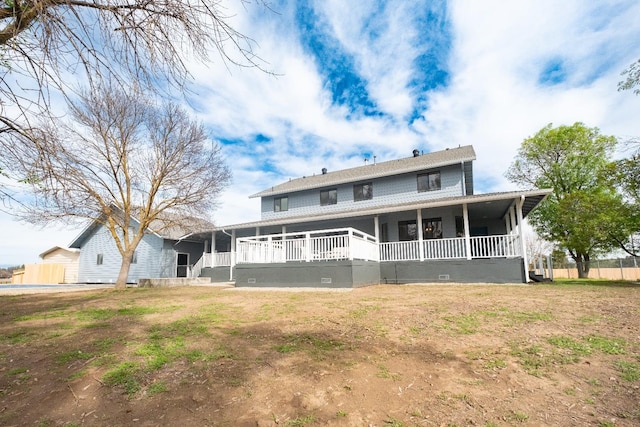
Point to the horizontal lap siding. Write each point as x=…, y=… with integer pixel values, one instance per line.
x=101, y=242
x=386, y=191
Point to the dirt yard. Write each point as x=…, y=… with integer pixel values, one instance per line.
x=454, y=355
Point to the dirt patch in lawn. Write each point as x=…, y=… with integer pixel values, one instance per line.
x=375, y=356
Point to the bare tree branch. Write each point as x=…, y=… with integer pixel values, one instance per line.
x=123, y=157
x=50, y=47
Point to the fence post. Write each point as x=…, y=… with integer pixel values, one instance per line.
x=621, y=269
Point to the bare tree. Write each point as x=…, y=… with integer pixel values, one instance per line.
x=537, y=247
x=47, y=47
x=124, y=156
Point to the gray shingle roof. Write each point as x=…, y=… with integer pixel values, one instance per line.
x=393, y=167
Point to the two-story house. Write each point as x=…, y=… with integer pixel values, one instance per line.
x=414, y=219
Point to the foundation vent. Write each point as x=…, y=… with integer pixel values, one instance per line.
x=251, y=280
x=443, y=277
x=325, y=280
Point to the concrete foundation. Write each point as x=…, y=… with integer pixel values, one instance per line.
x=330, y=274
x=216, y=274
x=492, y=270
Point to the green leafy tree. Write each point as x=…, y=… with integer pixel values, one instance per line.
x=632, y=78
x=625, y=174
x=581, y=211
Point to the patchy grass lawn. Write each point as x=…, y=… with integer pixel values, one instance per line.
x=566, y=354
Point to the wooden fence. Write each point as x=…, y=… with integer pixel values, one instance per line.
x=609, y=273
x=35, y=274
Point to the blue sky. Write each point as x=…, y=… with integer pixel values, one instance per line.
x=358, y=79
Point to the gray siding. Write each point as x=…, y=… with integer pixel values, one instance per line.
x=101, y=242
x=386, y=191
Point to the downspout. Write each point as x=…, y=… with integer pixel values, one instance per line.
x=463, y=180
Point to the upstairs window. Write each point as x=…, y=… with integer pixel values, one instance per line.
x=281, y=204
x=328, y=197
x=99, y=259
x=429, y=182
x=363, y=192
x=134, y=257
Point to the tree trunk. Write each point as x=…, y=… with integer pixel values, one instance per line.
x=121, y=283
x=582, y=264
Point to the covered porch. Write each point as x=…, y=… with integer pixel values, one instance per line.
x=469, y=228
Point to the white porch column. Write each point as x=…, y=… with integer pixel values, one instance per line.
x=512, y=212
x=284, y=229
x=420, y=234
x=307, y=244
x=523, y=244
x=467, y=238
x=213, y=248
x=233, y=254
x=350, y=244
x=257, y=231
x=376, y=228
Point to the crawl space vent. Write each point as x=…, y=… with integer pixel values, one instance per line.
x=443, y=277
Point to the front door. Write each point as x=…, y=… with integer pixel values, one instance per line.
x=182, y=265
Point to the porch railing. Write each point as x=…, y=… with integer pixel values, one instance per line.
x=216, y=259
x=320, y=245
x=341, y=244
x=501, y=246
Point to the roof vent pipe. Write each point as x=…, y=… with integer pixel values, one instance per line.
x=416, y=153
x=324, y=171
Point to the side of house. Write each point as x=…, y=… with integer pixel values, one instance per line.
x=419, y=212
x=157, y=256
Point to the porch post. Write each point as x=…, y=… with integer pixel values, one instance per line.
x=205, y=248
x=213, y=249
x=507, y=221
x=307, y=243
x=467, y=239
x=376, y=228
x=257, y=231
x=284, y=229
x=420, y=234
x=523, y=245
x=232, y=255
x=512, y=212
x=350, y=244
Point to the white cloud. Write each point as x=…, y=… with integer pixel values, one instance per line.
x=493, y=100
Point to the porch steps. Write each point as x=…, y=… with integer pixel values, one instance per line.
x=538, y=278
